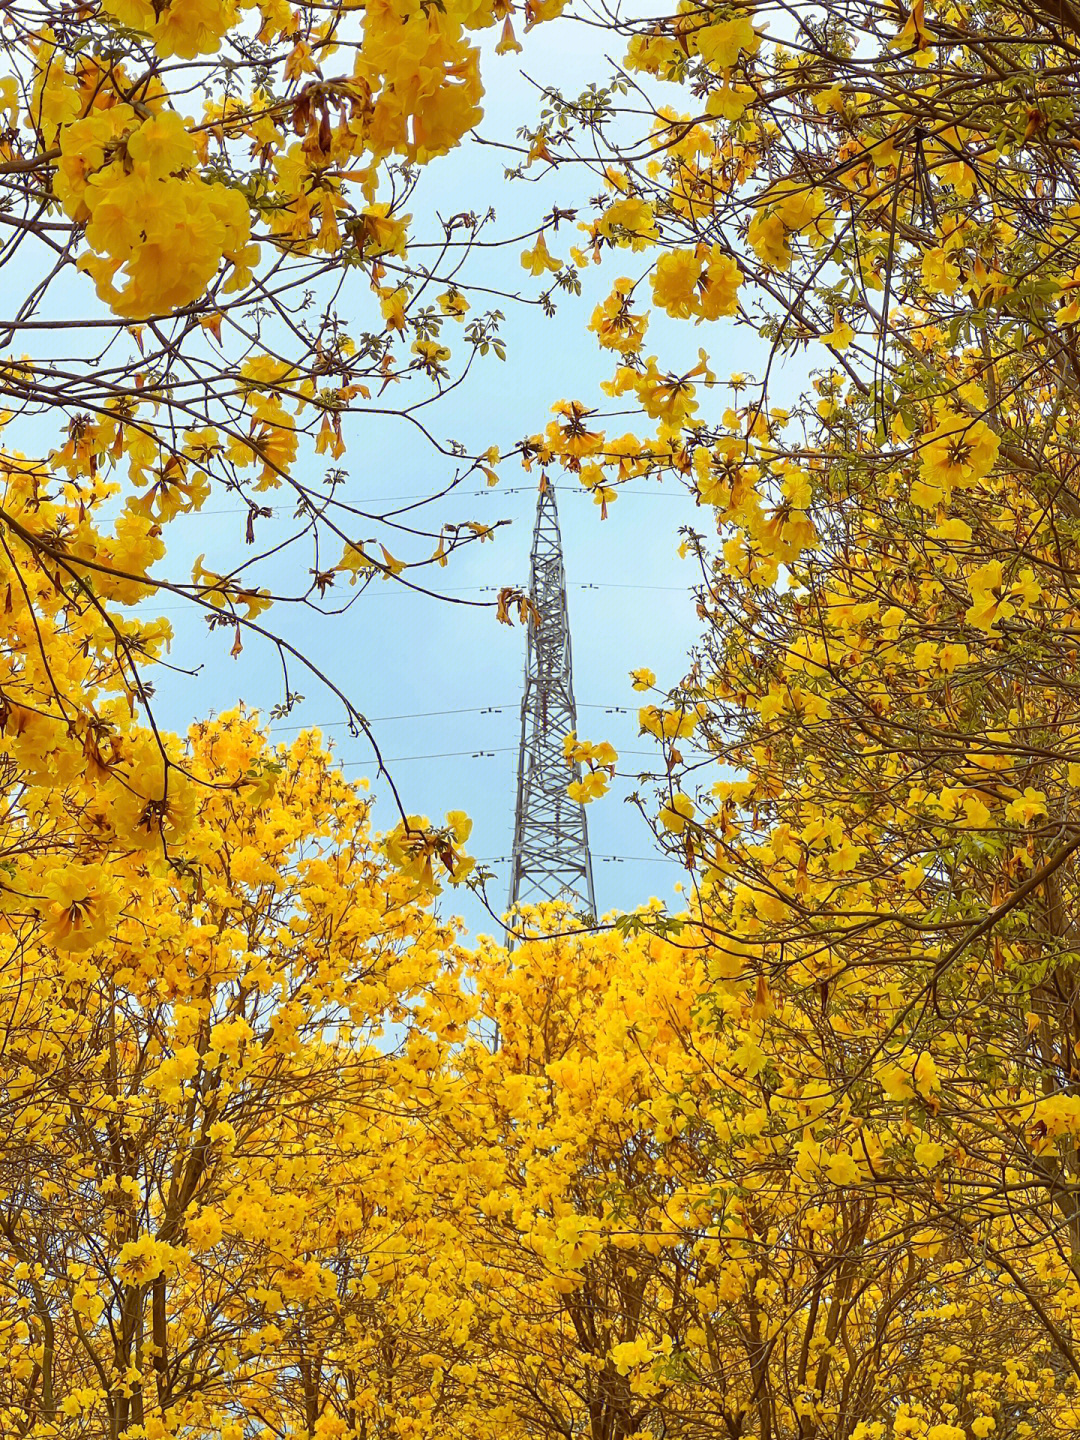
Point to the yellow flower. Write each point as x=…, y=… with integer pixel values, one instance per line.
x=589, y=787
x=82, y=152
x=678, y=810
x=629, y=221
x=186, y=28
x=830, y=99
x=976, y=812
x=721, y=44
x=675, y=282
x=149, y=808
x=162, y=146
x=142, y=1260
x=629, y=1354
x=929, y=1154
x=958, y=453
x=539, y=258
x=719, y=285
x=785, y=209
x=1027, y=807
x=614, y=324
x=453, y=303
x=169, y=234
x=769, y=238
x=840, y=336
x=354, y=562
x=81, y=906
x=204, y=1230
x=925, y=1075
x=916, y=36
x=9, y=99
x=669, y=724
x=508, y=41
x=380, y=233
x=989, y=599
x=896, y=1082
x=842, y=1169
x=939, y=275
x=431, y=356
x=729, y=102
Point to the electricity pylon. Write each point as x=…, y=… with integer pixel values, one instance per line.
x=550, y=860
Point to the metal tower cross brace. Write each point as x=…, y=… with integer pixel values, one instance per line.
x=551, y=842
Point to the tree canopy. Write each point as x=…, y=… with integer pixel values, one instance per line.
x=280, y=1155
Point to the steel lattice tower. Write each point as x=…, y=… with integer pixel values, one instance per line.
x=550, y=860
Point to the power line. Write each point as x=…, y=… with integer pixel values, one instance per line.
x=450, y=495
x=616, y=585
x=622, y=859
x=395, y=593
x=440, y=755
x=613, y=859
x=432, y=714
x=478, y=755
x=382, y=719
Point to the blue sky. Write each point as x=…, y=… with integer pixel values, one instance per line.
x=441, y=683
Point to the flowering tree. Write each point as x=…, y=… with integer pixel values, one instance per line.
x=800, y=1163
x=213, y=276
x=202, y=1146
x=869, y=768
x=682, y=1218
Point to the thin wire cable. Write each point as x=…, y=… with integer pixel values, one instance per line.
x=483, y=754
x=619, y=859
x=432, y=714
x=395, y=594
x=439, y=755
x=457, y=495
